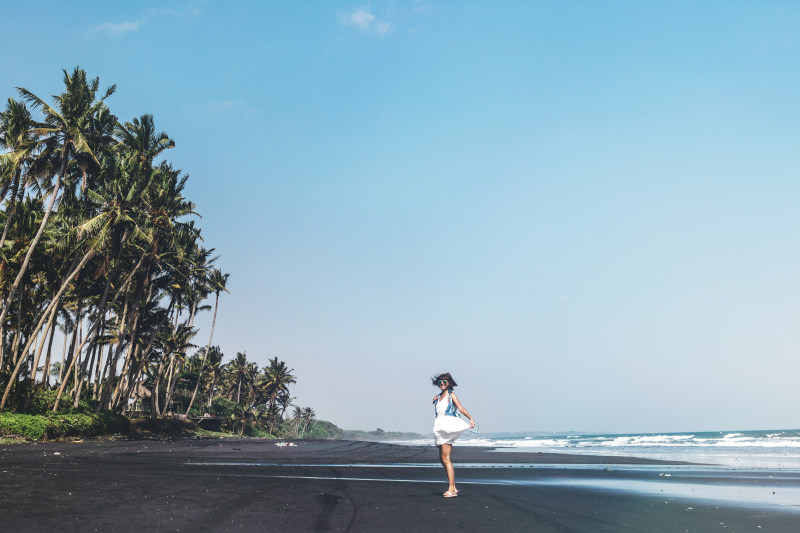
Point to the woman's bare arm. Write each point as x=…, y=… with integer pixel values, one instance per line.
x=462, y=409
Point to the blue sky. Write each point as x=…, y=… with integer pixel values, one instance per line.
x=588, y=212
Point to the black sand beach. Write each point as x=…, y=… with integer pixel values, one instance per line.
x=254, y=485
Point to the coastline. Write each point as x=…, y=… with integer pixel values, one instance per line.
x=242, y=484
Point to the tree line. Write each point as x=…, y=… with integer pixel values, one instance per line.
x=248, y=399
x=100, y=249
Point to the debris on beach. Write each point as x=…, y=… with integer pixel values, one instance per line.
x=285, y=444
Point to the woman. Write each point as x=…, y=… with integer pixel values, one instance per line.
x=448, y=426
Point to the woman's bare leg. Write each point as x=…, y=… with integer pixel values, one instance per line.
x=444, y=458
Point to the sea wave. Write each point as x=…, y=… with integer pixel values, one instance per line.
x=774, y=449
x=703, y=440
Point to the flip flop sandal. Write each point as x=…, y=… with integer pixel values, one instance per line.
x=449, y=494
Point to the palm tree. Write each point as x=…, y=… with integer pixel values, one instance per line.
x=214, y=366
x=238, y=369
x=308, y=417
x=65, y=132
x=297, y=418
x=161, y=205
x=218, y=282
x=119, y=217
x=244, y=416
x=284, y=401
x=37, y=328
x=276, y=380
x=17, y=138
x=93, y=241
x=174, y=346
x=141, y=138
x=250, y=383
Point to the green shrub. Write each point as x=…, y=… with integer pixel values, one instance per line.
x=223, y=407
x=25, y=426
x=42, y=401
x=58, y=425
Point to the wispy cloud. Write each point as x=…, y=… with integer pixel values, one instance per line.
x=146, y=17
x=118, y=28
x=363, y=19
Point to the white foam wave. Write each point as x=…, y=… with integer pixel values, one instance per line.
x=732, y=440
x=777, y=449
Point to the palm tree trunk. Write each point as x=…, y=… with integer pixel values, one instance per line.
x=46, y=372
x=93, y=334
x=131, y=368
x=99, y=368
x=71, y=354
x=47, y=329
x=125, y=375
x=163, y=367
x=51, y=320
x=112, y=369
x=15, y=346
x=79, y=324
x=127, y=378
x=143, y=353
x=85, y=375
x=211, y=392
x=205, y=355
x=170, y=383
x=108, y=384
x=63, y=357
x=192, y=313
x=155, y=408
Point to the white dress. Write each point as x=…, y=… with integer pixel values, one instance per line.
x=447, y=428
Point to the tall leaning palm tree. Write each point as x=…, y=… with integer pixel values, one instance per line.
x=218, y=282
x=64, y=133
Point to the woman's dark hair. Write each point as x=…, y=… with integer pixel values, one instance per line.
x=450, y=381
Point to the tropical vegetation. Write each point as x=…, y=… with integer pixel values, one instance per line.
x=103, y=271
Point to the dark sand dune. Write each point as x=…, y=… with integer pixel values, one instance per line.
x=251, y=485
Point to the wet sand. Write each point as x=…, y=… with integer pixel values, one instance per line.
x=254, y=485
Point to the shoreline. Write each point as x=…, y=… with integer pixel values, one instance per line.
x=242, y=484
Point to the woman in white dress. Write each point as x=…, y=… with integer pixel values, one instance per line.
x=448, y=426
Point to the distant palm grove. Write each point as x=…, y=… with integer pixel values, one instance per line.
x=103, y=272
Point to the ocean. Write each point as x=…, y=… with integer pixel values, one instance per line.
x=771, y=449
